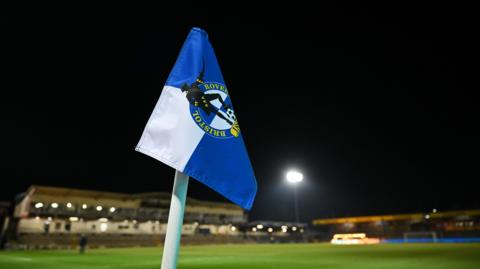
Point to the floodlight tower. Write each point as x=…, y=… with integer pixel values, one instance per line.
x=294, y=178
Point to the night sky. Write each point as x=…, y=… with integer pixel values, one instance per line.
x=374, y=104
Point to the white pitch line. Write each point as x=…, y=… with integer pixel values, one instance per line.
x=23, y=259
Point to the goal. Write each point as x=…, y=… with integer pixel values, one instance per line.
x=420, y=237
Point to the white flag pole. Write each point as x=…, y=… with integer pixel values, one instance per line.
x=175, y=221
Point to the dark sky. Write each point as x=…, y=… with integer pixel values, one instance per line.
x=374, y=104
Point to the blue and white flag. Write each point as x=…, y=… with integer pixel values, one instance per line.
x=193, y=127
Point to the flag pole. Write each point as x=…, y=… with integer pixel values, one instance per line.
x=175, y=221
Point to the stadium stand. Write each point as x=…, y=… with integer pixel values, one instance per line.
x=276, y=232
x=52, y=217
x=55, y=218
x=436, y=226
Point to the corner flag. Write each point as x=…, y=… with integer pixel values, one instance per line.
x=193, y=127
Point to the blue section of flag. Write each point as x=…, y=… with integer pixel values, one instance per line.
x=195, y=51
x=221, y=164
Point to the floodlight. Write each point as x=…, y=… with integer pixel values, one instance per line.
x=294, y=177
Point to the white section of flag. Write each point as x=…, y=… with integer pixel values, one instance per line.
x=171, y=135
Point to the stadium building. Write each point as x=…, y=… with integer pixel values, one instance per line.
x=436, y=226
x=276, y=232
x=47, y=217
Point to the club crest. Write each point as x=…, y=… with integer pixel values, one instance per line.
x=211, y=108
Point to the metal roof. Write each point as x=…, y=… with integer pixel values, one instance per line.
x=414, y=216
x=67, y=193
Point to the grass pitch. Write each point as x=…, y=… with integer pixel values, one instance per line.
x=265, y=256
